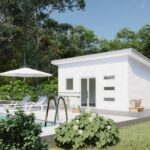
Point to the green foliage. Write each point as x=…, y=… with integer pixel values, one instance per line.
x=17, y=89
x=79, y=41
x=134, y=137
x=127, y=38
x=27, y=27
x=125, y=35
x=87, y=129
x=48, y=88
x=144, y=40
x=19, y=132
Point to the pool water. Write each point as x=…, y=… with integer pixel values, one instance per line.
x=41, y=122
x=2, y=116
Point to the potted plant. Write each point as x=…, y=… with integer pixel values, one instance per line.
x=135, y=102
x=76, y=109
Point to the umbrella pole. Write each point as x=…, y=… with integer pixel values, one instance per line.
x=24, y=80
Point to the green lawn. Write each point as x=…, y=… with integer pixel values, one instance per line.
x=135, y=137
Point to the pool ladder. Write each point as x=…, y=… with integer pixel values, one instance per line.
x=56, y=101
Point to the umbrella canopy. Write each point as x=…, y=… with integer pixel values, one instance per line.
x=25, y=72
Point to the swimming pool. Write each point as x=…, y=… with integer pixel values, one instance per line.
x=41, y=122
x=2, y=116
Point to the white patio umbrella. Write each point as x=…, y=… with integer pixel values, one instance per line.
x=25, y=73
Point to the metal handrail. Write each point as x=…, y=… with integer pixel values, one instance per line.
x=47, y=110
x=65, y=106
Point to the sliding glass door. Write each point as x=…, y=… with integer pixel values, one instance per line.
x=88, y=92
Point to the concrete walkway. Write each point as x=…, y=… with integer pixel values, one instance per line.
x=128, y=118
x=120, y=117
x=145, y=113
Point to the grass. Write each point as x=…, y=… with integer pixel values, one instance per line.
x=134, y=137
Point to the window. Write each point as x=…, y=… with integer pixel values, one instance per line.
x=69, y=84
x=109, y=88
x=109, y=77
x=109, y=99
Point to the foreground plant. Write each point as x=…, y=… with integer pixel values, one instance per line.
x=20, y=132
x=87, y=129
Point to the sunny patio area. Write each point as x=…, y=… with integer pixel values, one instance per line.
x=121, y=118
x=128, y=135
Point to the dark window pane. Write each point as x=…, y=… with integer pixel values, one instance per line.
x=92, y=91
x=84, y=92
x=109, y=77
x=109, y=99
x=109, y=88
x=69, y=84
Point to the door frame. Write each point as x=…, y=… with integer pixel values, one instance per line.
x=88, y=88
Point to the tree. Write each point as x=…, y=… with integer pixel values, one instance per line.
x=144, y=40
x=125, y=35
x=127, y=38
x=26, y=19
x=80, y=41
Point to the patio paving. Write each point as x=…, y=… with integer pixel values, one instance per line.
x=145, y=113
x=125, y=118
x=120, y=117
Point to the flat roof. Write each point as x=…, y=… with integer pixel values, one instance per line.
x=105, y=55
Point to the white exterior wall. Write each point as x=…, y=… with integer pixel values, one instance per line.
x=139, y=82
x=99, y=69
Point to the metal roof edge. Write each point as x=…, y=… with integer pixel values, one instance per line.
x=111, y=54
x=89, y=57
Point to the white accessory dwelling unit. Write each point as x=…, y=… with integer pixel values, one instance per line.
x=106, y=80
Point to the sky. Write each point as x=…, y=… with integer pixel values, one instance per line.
x=107, y=17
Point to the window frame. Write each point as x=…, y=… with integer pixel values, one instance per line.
x=109, y=99
x=109, y=77
x=109, y=88
x=67, y=80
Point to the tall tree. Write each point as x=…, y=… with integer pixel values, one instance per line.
x=144, y=40
x=125, y=35
x=26, y=19
x=127, y=38
x=80, y=41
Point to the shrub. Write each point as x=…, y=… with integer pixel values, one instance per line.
x=48, y=88
x=87, y=129
x=17, y=89
x=20, y=132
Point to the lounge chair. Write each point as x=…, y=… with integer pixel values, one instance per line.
x=40, y=104
x=20, y=103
